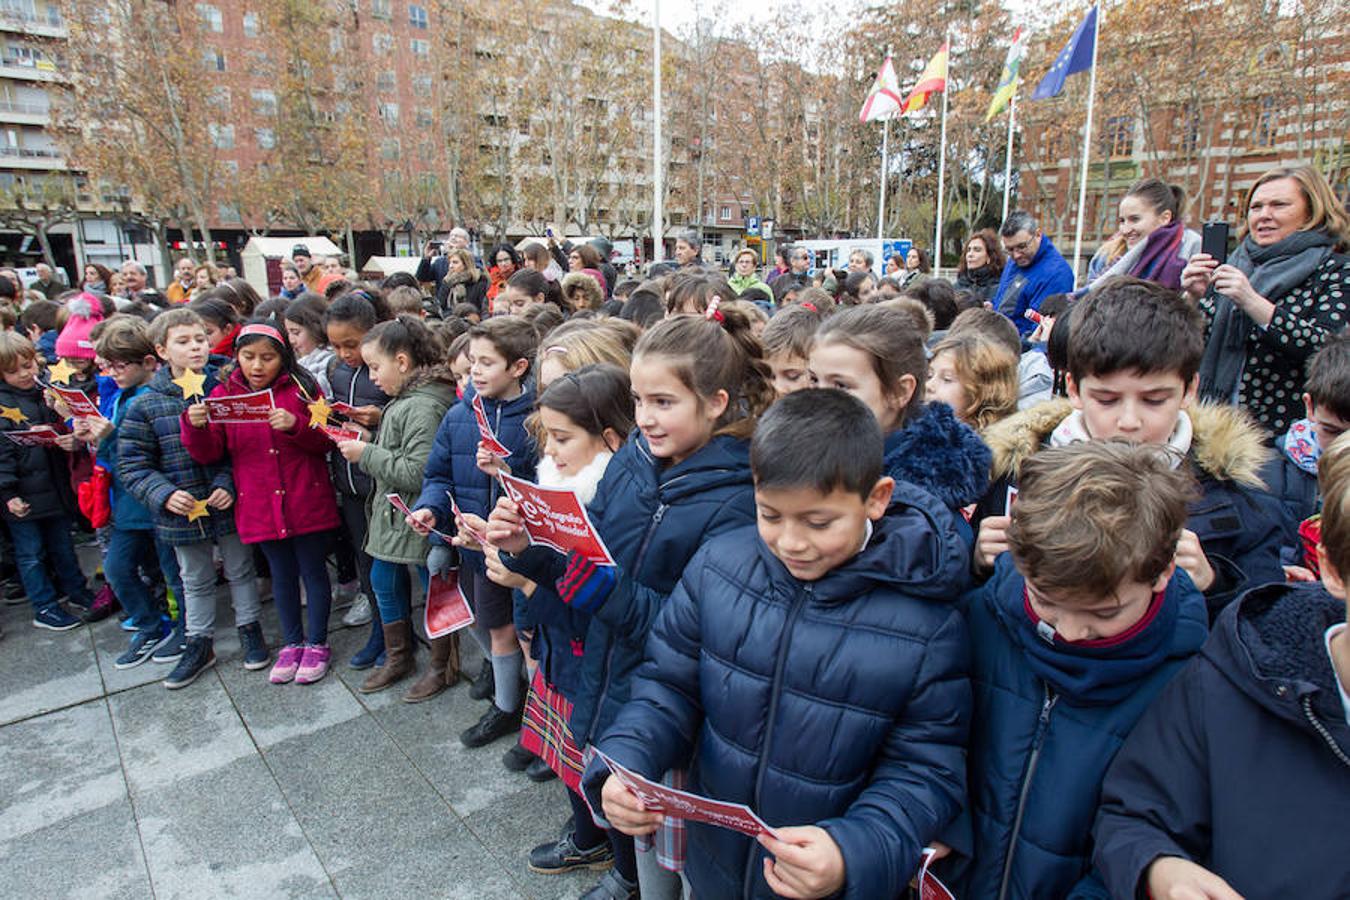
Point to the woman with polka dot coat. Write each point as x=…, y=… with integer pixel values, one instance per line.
x=1283, y=291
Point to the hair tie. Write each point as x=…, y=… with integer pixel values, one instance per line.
x=714, y=314
x=556, y=348
x=811, y=306
x=260, y=329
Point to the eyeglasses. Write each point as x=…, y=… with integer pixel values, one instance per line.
x=120, y=366
x=1019, y=248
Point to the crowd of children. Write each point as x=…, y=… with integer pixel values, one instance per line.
x=867, y=578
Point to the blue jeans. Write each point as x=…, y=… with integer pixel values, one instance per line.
x=292, y=560
x=393, y=589
x=36, y=541
x=130, y=552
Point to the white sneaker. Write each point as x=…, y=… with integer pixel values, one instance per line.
x=346, y=591
x=359, y=614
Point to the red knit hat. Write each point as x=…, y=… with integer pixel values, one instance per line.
x=86, y=311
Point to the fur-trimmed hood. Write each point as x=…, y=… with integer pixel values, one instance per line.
x=1228, y=444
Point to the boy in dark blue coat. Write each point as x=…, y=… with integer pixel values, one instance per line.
x=1292, y=474
x=501, y=351
x=1080, y=627
x=1236, y=781
x=813, y=670
x=1134, y=355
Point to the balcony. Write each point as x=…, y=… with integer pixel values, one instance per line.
x=15, y=112
x=50, y=25
x=42, y=159
x=29, y=69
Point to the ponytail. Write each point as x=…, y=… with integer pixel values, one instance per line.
x=708, y=356
x=406, y=334
x=1161, y=196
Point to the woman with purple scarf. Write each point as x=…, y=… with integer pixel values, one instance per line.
x=1157, y=242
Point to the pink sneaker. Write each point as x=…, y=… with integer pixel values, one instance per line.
x=288, y=661
x=314, y=664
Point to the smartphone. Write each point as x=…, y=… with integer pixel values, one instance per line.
x=1214, y=241
x=435, y=246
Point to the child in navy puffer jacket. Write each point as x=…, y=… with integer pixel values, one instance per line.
x=814, y=670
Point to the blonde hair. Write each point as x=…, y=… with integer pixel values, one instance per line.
x=988, y=375
x=14, y=350
x=585, y=342
x=1333, y=480
x=466, y=258
x=1325, y=212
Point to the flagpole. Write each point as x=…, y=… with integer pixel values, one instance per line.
x=1087, y=144
x=942, y=166
x=658, y=175
x=1007, y=159
x=885, y=150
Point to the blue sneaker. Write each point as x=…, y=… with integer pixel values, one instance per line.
x=172, y=649
x=251, y=641
x=54, y=618
x=127, y=626
x=142, y=645
x=198, y=656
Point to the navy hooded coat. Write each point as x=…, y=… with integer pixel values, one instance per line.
x=842, y=702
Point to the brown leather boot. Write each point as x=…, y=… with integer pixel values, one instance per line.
x=397, y=658
x=442, y=673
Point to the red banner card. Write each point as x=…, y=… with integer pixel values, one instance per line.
x=341, y=407
x=337, y=434
x=402, y=507
x=37, y=436
x=240, y=409
x=78, y=402
x=447, y=610
x=490, y=441
x=930, y=886
x=691, y=807
x=556, y=517
x=459, y=520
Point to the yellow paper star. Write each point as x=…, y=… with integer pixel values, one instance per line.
x=199, y=509
x=14, y=414
x=319, y=411
x=192, y=383
x=61, y=372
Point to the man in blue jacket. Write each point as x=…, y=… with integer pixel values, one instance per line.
x=1034, y=271
x=1236, y=781
x=814, y=670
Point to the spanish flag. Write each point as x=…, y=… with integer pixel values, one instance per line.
x=932, y=81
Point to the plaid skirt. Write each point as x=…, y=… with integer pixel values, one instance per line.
x=544, y=732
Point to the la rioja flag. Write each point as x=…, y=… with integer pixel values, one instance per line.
x=883, y=100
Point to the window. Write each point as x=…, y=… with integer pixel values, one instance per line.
x=211, y=18
x=417, y=16
x=251, y=28
x=221, y=135
x=725, y=213
x=219, y=99
x=1118, y=136
x=264, y=102
x=381, y=9
x=386, y=82
x=382, y=43
x=214, y=59
x=421, y=85
x=523, y=126
x=419, y=48
x=389, y=148
x=425, y=152
x=424, y=118
x=266, y=138
x=1266, y=126
x=1190, y=129
x=389, y=113
x=336, y=42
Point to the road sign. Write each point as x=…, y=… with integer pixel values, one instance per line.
x=752, y=225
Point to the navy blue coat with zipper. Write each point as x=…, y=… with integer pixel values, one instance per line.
x=38, y=475
x=1037, y=758
x=653, y=518
x=1242, y=765
x=453, y=463
x=842, y=703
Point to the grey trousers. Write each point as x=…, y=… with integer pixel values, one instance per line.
x=198, y=567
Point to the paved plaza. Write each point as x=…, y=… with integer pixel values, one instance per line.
x=112, y=786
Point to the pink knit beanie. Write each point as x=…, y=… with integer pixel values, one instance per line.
x=86, y=311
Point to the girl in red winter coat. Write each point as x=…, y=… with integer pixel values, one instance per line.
x=285, y=500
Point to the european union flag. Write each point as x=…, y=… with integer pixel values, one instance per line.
x=1075, y=57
